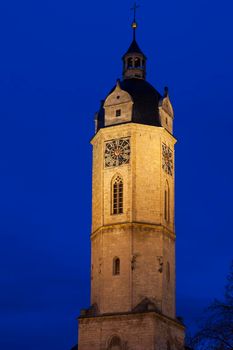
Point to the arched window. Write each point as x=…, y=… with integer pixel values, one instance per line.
x=130, y=62
x=137, y=62
x=117, y=195
x=167, y=203
x=116, y=266
x=115, y=343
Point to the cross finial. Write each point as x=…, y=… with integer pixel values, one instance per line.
x=134, y=24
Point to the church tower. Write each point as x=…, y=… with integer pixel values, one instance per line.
x=133, y=231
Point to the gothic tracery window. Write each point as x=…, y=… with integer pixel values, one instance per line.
x=117, y=195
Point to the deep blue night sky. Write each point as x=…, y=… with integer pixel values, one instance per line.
x=58, y=59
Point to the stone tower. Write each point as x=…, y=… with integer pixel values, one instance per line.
x=133, y=231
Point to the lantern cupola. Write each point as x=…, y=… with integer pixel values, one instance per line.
x=134, y=60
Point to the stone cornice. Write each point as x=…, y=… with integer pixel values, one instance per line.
x=135, y=226
x=122, y=315
x=134, y=127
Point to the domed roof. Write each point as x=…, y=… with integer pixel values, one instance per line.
x=145, y=102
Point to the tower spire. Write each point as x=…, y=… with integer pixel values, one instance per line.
x=134, y=60
x=134, y=24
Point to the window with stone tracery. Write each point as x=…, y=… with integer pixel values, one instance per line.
x=117, y=195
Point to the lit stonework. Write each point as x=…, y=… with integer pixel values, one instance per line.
x=133, y=231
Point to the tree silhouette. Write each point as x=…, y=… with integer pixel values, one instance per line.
x=216, y=327
x=75, y=347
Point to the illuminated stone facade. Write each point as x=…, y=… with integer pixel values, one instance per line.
x=133, y=231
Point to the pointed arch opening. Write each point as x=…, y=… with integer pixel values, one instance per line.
x=167, y=202
x=117, y=195
x=116, y=266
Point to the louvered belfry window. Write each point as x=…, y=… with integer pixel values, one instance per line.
x=117, y=199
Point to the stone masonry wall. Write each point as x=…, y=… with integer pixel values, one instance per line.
x=146, y=331
x=145, y=247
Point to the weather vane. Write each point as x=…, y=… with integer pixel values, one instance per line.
x=134, y=24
